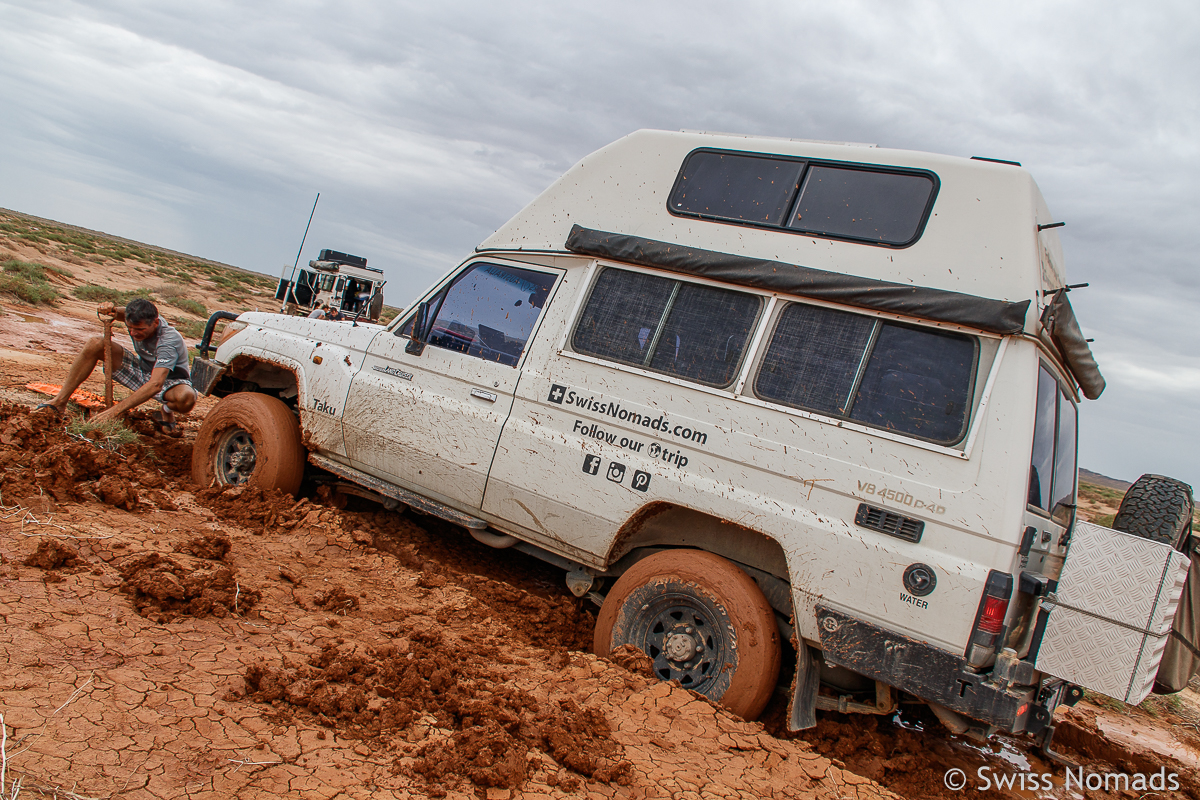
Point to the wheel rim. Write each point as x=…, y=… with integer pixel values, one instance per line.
x=235, y=457
x=687, y=635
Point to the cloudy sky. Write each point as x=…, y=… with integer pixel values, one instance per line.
x=210, y=127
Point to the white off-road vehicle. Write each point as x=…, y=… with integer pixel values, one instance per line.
x=768, y=402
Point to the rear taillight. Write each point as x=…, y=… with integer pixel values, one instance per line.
x=989, y=620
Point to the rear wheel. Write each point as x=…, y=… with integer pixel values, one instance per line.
x=249, y=439
x=703, y=622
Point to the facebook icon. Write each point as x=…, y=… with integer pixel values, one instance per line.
x=556, y=393
x=591, y=464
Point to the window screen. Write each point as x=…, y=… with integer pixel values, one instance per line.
x=911, y=380
x=881, y=205
x=695, y=332
x=813, y=358
x=488, y=311
x=737, y=187
x=884, y=207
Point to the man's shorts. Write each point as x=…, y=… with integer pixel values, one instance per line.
x=132, y=376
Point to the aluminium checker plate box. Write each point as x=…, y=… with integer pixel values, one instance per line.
x=1112, y=612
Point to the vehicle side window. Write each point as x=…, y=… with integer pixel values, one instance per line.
x=1063, y=491
x=695, y=332
x=902, y=378
x=1041, y=468
x=814, y=358
x=917, y=381
x=862, y=204
x=488, y=311
x=1052, y=468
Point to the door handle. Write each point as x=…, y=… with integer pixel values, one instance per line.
x=482, y=395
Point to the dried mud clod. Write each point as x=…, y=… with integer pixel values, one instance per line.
x=165, y=587
x=255, y=508
x=117, y=491
x=470, y=721
x=53, y=554
x=634, y=660
x=38, y=458
x=212, y=546
x=336, y=599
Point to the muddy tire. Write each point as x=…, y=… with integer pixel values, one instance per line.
x=1156, y=508
x=250, y=439
x=702, y=621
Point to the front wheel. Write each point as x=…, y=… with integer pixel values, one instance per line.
x=703, y=622
x=249, y=439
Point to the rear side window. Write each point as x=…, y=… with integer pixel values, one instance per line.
x=864, y=203
x=691, y=331
x=915, y=381
x=1053, y=461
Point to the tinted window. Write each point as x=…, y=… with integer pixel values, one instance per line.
x=736, y=187
x=910, y=380
x=876, y=205
x=917, y=381
x=862, y=204
x=813, y=359
x=489, y=311
x=1041, y=469
x=692, y=331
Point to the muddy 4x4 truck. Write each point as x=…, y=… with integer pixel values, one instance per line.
x=788, y=411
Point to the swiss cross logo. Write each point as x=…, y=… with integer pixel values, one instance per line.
x=557, y=393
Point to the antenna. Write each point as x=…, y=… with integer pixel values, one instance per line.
x=292, y=278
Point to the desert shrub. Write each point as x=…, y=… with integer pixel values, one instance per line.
x=102, y=294
x=26, y=282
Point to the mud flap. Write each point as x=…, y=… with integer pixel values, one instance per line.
x=803, y=713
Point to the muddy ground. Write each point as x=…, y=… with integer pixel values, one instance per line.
x=164, y=640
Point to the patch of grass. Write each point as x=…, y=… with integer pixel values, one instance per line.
x=1158, y=705
x=1104, y=701
x=191, y=307
x=190, y=328
x=27, y=282
x=111, y=434
x=102, y=294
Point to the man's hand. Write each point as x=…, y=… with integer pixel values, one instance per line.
x=106, y=310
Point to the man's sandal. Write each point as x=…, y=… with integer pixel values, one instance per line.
x=48, y=407
x=167, y=427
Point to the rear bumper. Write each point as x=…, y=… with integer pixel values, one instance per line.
x=930, y=673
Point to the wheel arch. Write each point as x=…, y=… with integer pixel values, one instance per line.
x=661, y=524
x=272, y=374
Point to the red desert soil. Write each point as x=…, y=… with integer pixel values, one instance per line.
x=164, y=640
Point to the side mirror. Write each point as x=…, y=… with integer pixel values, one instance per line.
x=420, y=331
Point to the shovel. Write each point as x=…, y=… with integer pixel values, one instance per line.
x=108, y=376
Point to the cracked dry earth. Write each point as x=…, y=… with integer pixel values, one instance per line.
x=165, y=641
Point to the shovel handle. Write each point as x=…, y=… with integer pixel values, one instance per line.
x=108, y=376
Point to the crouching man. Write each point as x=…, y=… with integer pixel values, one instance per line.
x=157, y=369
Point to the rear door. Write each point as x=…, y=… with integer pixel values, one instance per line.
x=430, y=422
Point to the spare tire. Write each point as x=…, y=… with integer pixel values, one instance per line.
x=1156, y=508
x=1160, y=509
